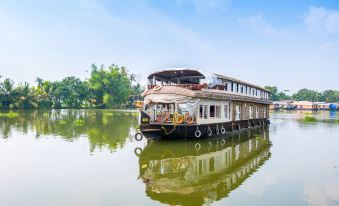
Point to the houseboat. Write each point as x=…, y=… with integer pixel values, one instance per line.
x=185, y=102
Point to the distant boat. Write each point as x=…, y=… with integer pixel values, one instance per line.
x=333, y=107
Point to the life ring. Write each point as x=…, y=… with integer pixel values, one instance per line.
x=137, y=151
x=157, y=88
x=197, y=133
x=197, y=146
x=223, y=130
x=138, y=136
x=188, y=118
x=180, y=118
x=268, y=121
x=209, y=132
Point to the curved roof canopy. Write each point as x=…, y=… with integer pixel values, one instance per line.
x=176, y=73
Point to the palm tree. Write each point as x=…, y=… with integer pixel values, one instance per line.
x=26, y=97
x=8, y=93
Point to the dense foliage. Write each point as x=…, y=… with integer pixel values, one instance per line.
x=305, y=95
x=111, y=87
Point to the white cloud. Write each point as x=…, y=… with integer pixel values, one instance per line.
x=258, y=23
x=322, y=19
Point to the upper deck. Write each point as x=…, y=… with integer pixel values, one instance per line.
x=207, y=85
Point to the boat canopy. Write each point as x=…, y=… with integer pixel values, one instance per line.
x=177, y=75
x=184, y=102
x=185, y=75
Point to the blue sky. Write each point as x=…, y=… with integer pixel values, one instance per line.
x=290, y=44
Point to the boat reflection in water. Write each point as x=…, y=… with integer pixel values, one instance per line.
x=204, y=171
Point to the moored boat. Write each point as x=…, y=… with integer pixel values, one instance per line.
x=186, y=102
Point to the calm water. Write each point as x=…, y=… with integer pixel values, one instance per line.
x=50, y=158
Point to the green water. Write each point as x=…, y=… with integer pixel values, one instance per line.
x=90, y=157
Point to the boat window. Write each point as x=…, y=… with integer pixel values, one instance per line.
x=256, y=112
x=218, y=111
x=226, y=111
x=238, y=112
x=171, y=108
x=203, y=109
x=250, y=112
x=226, y=86
x=212, y=111
x=182, y=108
x=232, y=86
x=242, y=89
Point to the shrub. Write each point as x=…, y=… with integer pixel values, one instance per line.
x=310, y=119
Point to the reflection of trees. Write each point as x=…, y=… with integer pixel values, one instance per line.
x=104, y=128
x=177, y=173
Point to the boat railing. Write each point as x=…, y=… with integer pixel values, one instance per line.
x=197, y=87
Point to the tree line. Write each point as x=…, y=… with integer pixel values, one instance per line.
x=111, y=87
x=304, y=95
